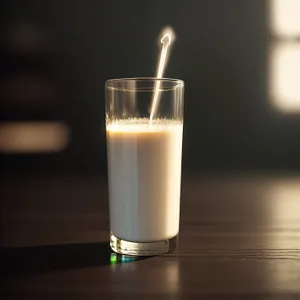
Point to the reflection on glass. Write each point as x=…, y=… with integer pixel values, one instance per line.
x=33, y=137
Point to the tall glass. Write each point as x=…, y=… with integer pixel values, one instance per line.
x=144, y=163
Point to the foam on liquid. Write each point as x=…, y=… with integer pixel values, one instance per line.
x=144, y=169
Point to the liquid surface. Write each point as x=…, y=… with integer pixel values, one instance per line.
x=144, y=169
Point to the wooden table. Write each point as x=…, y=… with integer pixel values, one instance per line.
x=240, y=236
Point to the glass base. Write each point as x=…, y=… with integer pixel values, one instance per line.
x=142, y=248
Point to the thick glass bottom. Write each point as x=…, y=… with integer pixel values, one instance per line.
x=142, y=248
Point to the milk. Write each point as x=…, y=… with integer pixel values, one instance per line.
x=144, y=169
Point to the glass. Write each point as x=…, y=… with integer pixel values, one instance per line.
x=144, y=164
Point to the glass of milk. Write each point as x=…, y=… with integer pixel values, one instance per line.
x=144, y=163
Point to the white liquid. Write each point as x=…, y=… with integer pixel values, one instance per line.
x=144, y=169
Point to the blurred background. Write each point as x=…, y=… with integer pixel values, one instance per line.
x=240, y=61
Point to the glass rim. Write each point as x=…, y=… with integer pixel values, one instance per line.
x=176, y=82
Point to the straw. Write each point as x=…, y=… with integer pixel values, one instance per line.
x=166, y=41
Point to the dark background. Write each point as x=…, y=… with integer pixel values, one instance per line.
x=239, y=227
x=221, y=52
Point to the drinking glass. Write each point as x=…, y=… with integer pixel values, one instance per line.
x=144, y=163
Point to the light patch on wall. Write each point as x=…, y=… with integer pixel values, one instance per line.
x=285, y=76
x=284, y=70
x=33, y=137
x=285, y=18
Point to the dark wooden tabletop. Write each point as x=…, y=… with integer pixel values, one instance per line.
x=239, y=238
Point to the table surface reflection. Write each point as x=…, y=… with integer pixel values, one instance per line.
x=240, y=235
